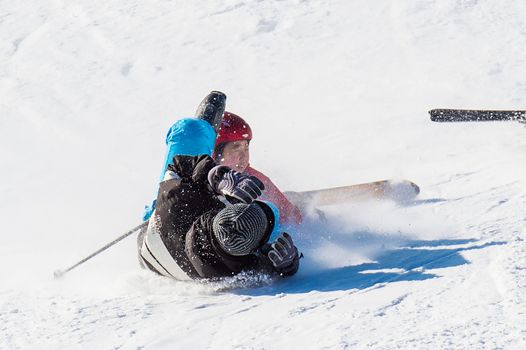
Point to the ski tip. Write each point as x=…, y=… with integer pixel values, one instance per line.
x=438, y=115
x=401, y=190
x=57, y=274
x=476, y=115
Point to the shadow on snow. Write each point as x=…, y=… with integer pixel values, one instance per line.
x=407, y=263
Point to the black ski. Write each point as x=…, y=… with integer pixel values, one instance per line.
x=470, y=115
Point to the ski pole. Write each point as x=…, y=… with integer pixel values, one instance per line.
x=60, y=273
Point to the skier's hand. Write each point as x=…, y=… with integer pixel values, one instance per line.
x=228, y=182
x=284, y=255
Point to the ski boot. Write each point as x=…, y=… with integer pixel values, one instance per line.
x=212, y=108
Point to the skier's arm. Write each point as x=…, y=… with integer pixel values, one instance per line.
x=283, y=255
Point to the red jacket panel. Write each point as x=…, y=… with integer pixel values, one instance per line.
x=289, y=213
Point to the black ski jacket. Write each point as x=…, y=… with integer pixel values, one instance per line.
x=186, y=206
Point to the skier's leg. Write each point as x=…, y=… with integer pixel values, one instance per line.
x=190, y=137
x=193, y=137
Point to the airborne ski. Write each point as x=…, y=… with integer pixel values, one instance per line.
x=396, y=190
x=476, y=115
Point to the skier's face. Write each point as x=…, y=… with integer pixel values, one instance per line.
x=236, y=155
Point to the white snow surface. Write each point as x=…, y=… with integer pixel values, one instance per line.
x=336, y=92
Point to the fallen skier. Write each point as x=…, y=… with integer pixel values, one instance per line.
x=208, y=221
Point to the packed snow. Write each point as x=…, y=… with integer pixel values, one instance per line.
x=337, y=93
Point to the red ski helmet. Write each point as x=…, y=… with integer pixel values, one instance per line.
x=233, y=128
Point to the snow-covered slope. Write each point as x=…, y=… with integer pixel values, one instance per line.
x=336, y=93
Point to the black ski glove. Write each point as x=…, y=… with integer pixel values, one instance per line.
x=228, y=182
x=283, y=255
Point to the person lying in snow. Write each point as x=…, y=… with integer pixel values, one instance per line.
x=208, y=222
x=232, y=148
